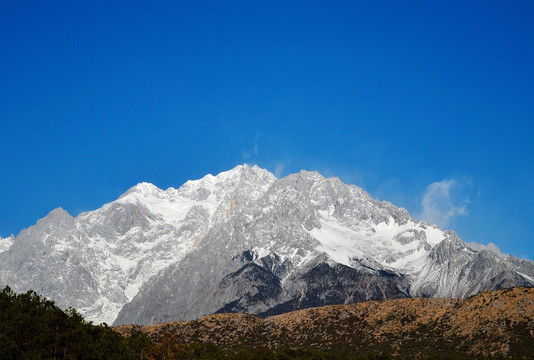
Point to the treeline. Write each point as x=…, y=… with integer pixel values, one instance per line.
x=32, y=327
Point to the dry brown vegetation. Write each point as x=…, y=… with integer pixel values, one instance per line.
x=492, y=323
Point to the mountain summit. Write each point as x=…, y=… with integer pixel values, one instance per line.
x=244, y=241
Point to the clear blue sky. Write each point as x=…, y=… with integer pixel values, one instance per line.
x=429, y=105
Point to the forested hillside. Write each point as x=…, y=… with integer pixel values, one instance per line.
x=32, y=327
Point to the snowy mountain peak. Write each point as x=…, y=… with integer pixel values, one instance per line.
x=495, y=249
x=144, y=188
x=56, y=218
x=312, y=174
x=58, y=212
x=243, y=240
x=5, y=243
x=490, y=247
x=240, y=171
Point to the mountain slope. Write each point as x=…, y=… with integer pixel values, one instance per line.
x=316, y=241
x=243, y=241
x=499, y=322
x=97, y=261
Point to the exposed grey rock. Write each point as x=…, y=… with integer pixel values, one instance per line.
x=98, y=261
x=243, y=241
x=326, y=243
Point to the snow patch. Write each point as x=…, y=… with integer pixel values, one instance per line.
x=5, y=243
x=338, y=242
x=527, y=277
x=343, y=243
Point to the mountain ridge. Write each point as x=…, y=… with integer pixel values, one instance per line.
x=243, y=240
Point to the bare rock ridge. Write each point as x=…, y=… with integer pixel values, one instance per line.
x=244, y=241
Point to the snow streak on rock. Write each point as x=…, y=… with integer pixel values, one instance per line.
x=243, y=241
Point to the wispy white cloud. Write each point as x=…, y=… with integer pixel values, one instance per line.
x=248, y=153
x=279, y=170
x=439, y=205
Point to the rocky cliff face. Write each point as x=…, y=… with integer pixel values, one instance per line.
x=243, y=241
x=97, y=261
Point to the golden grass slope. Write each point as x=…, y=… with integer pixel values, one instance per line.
x=499, y=322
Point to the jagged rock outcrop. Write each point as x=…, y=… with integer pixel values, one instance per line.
x=243, y=241
x=97, y=261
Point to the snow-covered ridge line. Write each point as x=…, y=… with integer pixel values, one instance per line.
x=5, y=243
x=243, y=240
x=109, y=253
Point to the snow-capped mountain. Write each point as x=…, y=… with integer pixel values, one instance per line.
x=5, y=243
x=245, y=241
x=97, y=261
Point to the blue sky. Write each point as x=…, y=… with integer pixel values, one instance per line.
x=428, y=105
